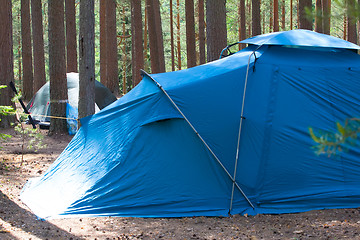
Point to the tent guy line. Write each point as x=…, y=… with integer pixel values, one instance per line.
x=143, y=73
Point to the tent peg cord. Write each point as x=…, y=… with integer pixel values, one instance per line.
x=143, y=73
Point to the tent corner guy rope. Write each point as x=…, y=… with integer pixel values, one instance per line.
x=143, y=73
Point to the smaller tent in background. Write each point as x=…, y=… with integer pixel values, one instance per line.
x=39, y=105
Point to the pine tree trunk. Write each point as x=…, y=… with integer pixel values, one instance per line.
x=155, y=37
x=216, y=31
x=276, y=16
x=202, y=55
x=283, y=16
x=319, y=16
x=26, y=50
x=326, y=14
x=291, y=15
x=111, y=47
x=103, y=51
x=38, y=44
x=172, y=47
x=351, y=21
x=137, y=41
x=87, y=59
x=304, y=18
x=57, y=66
x=242, y=26
x=256, y=21
x=178, y=34
x=190, y=34
x=71, y=52
x=6, y=59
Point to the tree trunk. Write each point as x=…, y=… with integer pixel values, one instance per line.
x=351, y=21
x=155, y=37
x=178, y=34
x=87, y=59
x=103, y=51
x=6, y=59
x=202, y=55
x=57, y=66
x=38, y=44
x=304, y=18
x=319, y=16
x=71, y=52
x=26, y=50
x=190, y=34
x=256, y=20
x=283, y=16
x=216, y=33
x=172, y=47
x=242, y=26
x=291, y=15
x=137, y=41
x=326, y=14
x=276, y=16
x=111, y=47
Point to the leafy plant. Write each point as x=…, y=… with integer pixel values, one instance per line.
x=331, y=143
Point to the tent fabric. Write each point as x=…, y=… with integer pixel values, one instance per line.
x=39, y=105
x=300, y=37
x=139, y=157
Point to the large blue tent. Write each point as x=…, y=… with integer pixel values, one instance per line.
x=227, y=137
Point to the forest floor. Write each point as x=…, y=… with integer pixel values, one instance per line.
x=17, y=221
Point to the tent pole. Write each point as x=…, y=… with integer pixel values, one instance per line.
x=240, y=126
x=143, y=73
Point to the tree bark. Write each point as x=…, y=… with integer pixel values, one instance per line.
x=155, y=37
x=26, y=50
x=103, y=51
x=38, y=44
x=190, y=34
x=6, y=59
x=351, y=21
x=178, y=43
x=87, y=59
x=111, y=47
x=283, y=15
x=172, y=42
x=291, y=15
x=305, y=21
x=326, y=14
x=202, y=54
x=137, y=49
x=318, y=16
x=242, y=22
x=71, y=52
x=216, y=33
x=276, y=16
x=57, y=66
x=256, y=20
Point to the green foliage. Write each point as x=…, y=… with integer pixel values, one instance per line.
x=32, y=138
x=331, y=143
x=4, y=111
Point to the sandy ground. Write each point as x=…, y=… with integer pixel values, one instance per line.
x=17, y=221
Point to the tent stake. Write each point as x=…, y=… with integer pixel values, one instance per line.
x=143, y=73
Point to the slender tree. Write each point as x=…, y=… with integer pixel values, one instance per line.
x=57, y=66
x=155, y=37
x=190, y=34
x=71, y=52
x=242, y=22
x=178, y=34
x=256, y=20
x=172, y=36
x=326, y=4
x=283, y=15
x=305, y=21
x=137, y=49
x=87, y=59
x=319, y=16
x=111, y=48
x=276, y=16
x=202, y=56
x=216, y=34
x=26, y=50
x=6, y=59
x=38, y=44
x=351, y=21
x=291, y=15
x=103, y=51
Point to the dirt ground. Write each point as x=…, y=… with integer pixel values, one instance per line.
x=17, y=221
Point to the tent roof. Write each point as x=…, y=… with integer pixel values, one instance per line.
x=300, y=37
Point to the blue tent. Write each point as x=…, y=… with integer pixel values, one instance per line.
x=231, y=136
